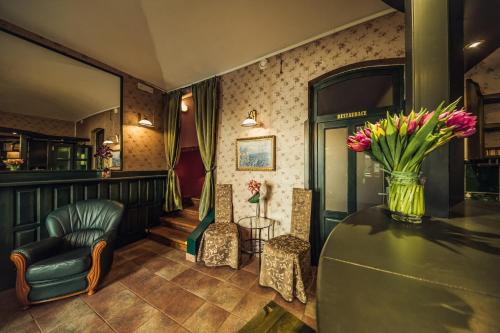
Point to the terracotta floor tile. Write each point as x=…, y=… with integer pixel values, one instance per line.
x=226, y=296
x=232, y=324
x=135, y=252
x=171, y=269
x=295, y=307
x=67, y=313
x=119, y=272
x=156, y=247
x=87, y=323
x=145, y=259
x=118, y=259
x=158, y=323
x=311, y=322
x=249, y=305
x=111, y=306
x=143, y=282
x=221, y=272
x=163, y=294
x=205, y=286
x=130, y=318
x=16, y=320
x=157, y=263
x=179, y=256
x=188, y=279
x=16, y=327
x=206, y=319
x=266, y=292
x=41, y=309
x=252, y=265
x=101, y=298
x=182, y=305
x=243, y=279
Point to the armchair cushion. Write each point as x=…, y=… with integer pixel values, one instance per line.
x=59, y=266
x=37, y=251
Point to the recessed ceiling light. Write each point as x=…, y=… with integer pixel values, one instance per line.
x=474, y=44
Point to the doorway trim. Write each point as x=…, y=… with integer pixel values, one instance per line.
x=311, y=135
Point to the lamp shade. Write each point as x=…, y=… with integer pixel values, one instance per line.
x=249, y=122
x=251, y=119
x=143, y=121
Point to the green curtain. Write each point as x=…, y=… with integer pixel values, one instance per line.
x=171, y=137
x=205, y=98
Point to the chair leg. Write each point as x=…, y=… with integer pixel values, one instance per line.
x=22, y=287
x=95, y=270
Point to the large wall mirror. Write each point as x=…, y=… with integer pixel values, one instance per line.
x=56, y=111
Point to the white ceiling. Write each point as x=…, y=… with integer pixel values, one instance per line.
x=37, y=81
x=173, y=43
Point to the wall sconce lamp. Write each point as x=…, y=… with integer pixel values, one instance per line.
x=143, y=121
x=251, y=119
x=184, y=107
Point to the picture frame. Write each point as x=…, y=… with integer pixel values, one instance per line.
x=115, y=160
x=256, y=153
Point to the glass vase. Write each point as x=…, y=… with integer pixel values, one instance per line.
x=406, y=197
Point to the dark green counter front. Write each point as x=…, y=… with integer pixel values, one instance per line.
x=26, y=200
x=376, y=275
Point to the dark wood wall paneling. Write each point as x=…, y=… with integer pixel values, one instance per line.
x=24, y=208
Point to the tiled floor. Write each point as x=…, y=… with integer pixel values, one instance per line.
x=152, y=288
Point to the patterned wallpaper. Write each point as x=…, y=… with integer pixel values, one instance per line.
x=37, y=124
x=487, y=73
x=282, y=104
x=143, y=147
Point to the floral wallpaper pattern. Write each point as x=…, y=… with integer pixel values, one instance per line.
x=487, y=73
x=37, y=124
x=281, y=101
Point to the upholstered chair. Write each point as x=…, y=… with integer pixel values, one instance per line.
x=76, y=256
x=219, y=245
x=286, y=259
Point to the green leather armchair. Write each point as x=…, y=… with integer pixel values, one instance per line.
x=76, y=256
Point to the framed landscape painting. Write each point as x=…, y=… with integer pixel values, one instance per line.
x=256, y=154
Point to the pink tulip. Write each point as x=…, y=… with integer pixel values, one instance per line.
x=412, y=126
x=360, y=141
x=425, y=118
x=463, y=123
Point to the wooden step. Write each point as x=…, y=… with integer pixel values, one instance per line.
x=172, y=237
x=179, y=222
x=190, y=213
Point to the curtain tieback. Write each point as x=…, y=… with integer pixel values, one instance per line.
x=211, y=169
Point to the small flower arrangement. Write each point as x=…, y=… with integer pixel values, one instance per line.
x=254, y=188
x=401, y=142
x=13, y=163
x=103, y=154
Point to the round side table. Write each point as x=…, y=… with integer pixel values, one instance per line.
x=256, y=224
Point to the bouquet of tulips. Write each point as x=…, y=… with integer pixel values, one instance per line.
x=401, y=142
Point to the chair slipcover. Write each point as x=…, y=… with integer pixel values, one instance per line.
x=286, y=259
x=220, y=243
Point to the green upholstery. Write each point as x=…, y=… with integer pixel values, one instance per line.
x=59, y=265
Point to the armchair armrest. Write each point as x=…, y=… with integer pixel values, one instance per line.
x=37, y=251
x=106, y=237
x=101, y=244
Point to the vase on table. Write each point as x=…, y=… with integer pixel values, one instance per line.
x=406, y=201
x=255, y=199
x=401, y=142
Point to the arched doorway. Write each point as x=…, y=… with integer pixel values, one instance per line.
x=340, y=101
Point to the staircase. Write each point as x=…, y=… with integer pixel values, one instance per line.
x=175, y=227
